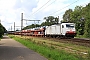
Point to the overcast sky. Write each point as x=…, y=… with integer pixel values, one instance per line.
x=10, y=10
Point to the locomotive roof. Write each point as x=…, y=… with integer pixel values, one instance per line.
x=61, y=23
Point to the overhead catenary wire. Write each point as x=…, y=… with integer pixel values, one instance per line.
x=57, y=10
x=75, y=2
x=40, y=7
x=64, y=7
x=48, y=5
x=43, y=8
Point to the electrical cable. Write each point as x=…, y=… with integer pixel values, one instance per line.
x=63, y=7
x=46, y=6
x=49, y=5
x=41, y=7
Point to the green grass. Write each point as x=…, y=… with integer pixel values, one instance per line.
x=82, y=36
x=50, y=53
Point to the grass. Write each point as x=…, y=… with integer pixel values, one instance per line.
x=81, y=36
x=49, y=51
x=81, y=51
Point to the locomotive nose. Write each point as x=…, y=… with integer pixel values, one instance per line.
x=70, y=33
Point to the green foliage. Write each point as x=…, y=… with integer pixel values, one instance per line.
x=2, y=30
x=66, y=16
x=50, y=20
x=87, y=21
x=31, y=26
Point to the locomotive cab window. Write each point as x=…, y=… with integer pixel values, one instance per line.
x=70, y=25
x=62, y=26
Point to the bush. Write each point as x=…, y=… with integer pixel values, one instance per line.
x=1, y=30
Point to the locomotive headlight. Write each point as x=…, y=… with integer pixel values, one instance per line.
x=70, y=32
x=67, y=32
x=74, y=32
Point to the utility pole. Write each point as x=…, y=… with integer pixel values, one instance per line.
x=11, y=28
x=58, y=20
x=14, y=26
x=21, y=22
x=0, y=21
x=25, y=20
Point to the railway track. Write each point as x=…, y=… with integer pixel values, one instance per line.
x=81, y=40
x=77, y=41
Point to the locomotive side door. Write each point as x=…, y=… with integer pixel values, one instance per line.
x=63, y=29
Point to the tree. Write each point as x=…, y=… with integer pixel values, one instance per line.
x=86, y=11
x=31, y=26
x=56, y=20
x=50, y=20
x=78, y=18
x=66, y=16
x=1, y=30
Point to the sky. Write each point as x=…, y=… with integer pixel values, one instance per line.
x=10, y=11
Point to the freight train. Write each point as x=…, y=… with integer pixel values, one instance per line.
x=58, y=30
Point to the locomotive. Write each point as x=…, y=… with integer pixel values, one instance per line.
x=59, y=30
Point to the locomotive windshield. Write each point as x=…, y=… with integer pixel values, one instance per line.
x=70, y=25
